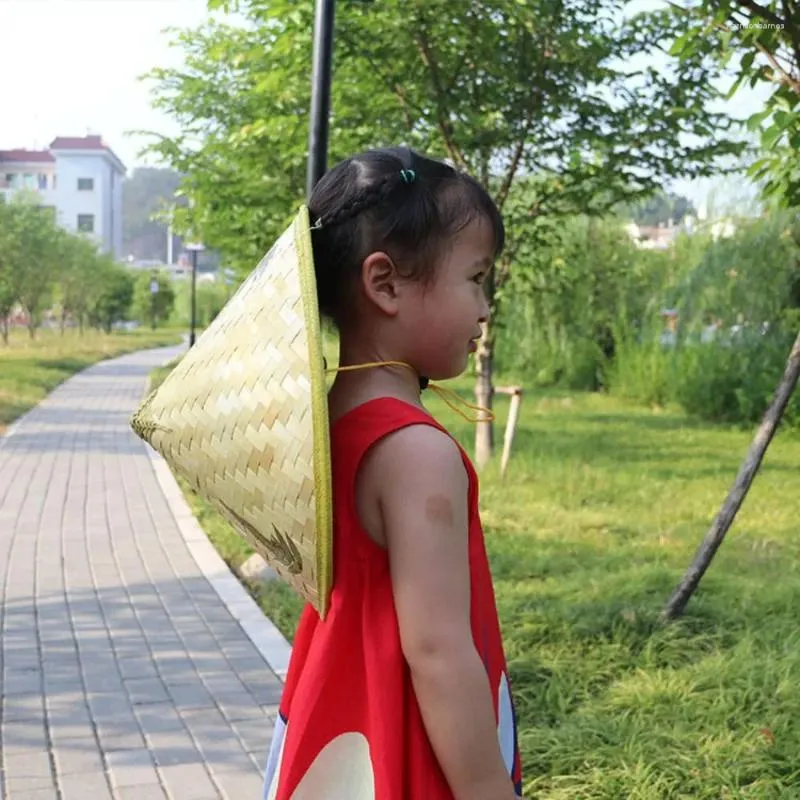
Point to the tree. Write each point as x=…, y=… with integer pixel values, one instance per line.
x=155, y=307
x=766, y=40
x=10, y=262
x=535, y=90
x=80, y=268
x=113, y=296
x=35, y=254
x=7, y=300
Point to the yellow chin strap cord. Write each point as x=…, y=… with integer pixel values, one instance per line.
x=448, y=395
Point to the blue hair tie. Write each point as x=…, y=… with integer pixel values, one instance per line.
x=408, y=175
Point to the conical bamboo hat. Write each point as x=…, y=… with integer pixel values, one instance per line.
x=244, y=417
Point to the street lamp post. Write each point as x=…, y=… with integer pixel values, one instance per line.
x=154, y=287
x=194, y=297
x=320, y=93
x=194, y=249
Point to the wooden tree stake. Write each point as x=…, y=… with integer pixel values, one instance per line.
x=511, y=424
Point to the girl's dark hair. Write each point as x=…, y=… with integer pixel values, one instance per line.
x=372, y=202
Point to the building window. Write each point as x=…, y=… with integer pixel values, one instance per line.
x=86, y=223
x=11, y=179
x=85, y=184
x=27, y=181
x=42, y=181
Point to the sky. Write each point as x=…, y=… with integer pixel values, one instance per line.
x=71, y=67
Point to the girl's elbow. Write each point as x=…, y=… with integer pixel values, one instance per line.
x=430, y=655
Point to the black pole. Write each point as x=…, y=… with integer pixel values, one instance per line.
x=320, y=93
x=194, y=299
x=153, y=302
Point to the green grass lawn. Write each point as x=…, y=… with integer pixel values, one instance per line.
x=30, y=368
x=602, y=508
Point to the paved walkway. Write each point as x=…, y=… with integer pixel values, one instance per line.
x=123, y=673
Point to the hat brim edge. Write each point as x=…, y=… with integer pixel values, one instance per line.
x=319, y=410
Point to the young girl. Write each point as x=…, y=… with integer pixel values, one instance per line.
x=402, y=693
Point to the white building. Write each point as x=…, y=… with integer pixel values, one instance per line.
x=79, y=177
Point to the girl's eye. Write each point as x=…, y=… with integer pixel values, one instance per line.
x=479, y=277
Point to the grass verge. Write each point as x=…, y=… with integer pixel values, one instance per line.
x=31, y=368
x=602, y=509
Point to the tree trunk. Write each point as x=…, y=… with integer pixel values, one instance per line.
x=484, y=395
x=5, y=330
x=484, y=388
x=719, y=527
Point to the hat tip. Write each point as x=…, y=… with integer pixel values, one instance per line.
x=145, y=428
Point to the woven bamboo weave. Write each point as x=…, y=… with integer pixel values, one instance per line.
x=243, y=417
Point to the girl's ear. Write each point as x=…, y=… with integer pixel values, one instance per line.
x=379, y=280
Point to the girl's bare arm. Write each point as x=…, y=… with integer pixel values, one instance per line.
x=423, y=501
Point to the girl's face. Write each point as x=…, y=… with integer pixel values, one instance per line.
x=443, y=321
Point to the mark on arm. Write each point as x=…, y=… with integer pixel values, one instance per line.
x=439, y=510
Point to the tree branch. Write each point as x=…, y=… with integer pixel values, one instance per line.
x=792, y=15
x=764, y=13
x=394, y=88
x=466, y=53
x=502, y=194
x=785, y=76
x=433, y=68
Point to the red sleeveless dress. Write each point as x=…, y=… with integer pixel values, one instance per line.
x=349, y=726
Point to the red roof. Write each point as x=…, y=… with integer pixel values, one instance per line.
x=78, y=143
x=93, y=142
x=26, y=156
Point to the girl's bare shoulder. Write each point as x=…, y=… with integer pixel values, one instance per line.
x=418, y=456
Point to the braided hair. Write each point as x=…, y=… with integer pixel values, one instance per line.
x=394, y=200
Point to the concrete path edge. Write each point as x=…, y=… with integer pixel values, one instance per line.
x=259, y=628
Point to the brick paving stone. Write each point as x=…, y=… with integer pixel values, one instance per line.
x=120, y=665
x=191, y=782
x=173, y=747
x=27, y=772
x=86, y=785
x=255, y=735
x=77, y=756
x=132, y=768
x=36, y=794
x=145, y=793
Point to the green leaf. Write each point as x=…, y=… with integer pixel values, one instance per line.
x=755, y=120
x=680, y=44
x=783, y=119
x=770, y=136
